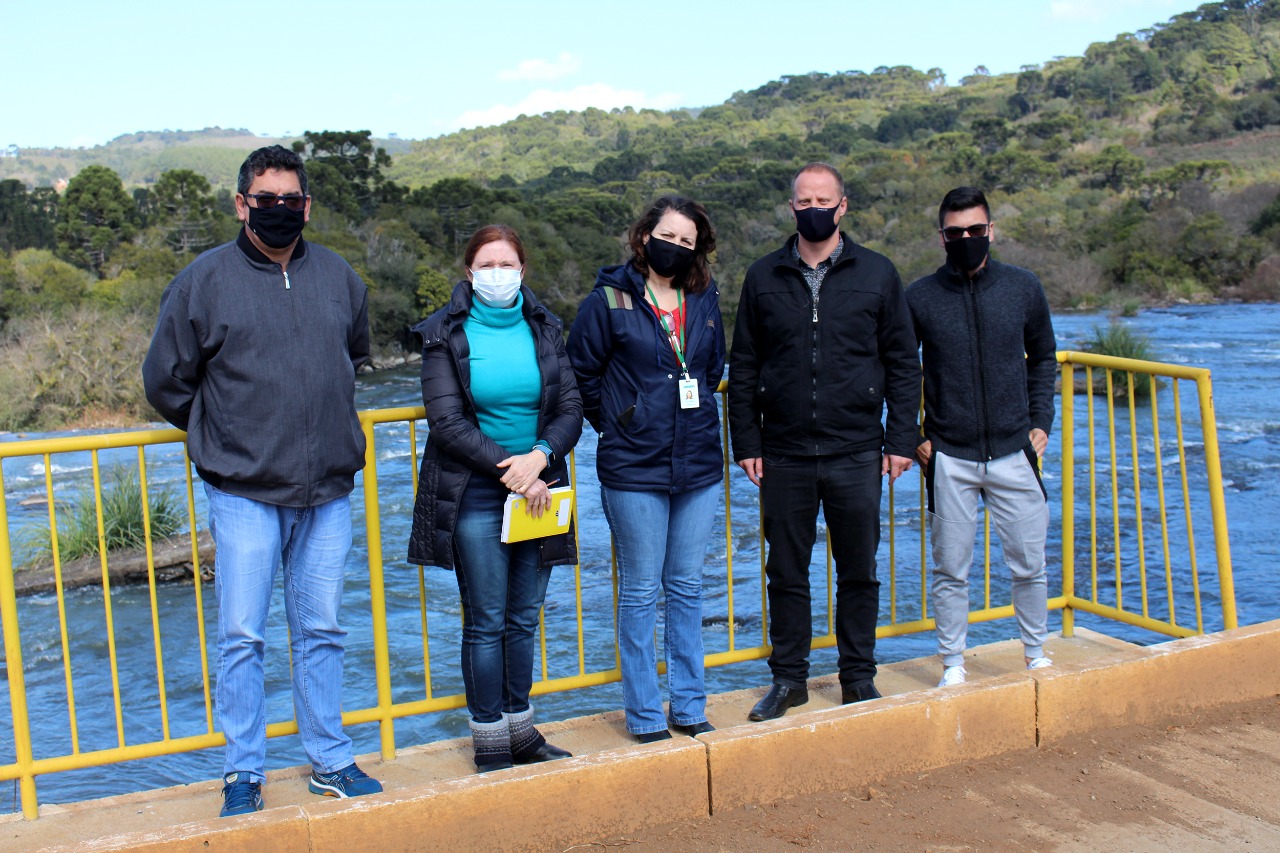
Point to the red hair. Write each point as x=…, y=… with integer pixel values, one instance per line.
x=492, y=234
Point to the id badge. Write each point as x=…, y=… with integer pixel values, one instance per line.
x=689, y=394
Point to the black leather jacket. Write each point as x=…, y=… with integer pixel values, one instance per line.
x=456, y=448
x=813, y=378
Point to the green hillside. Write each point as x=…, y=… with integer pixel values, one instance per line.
x=1141, y=172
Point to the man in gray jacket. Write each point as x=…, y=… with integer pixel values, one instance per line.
x=255, y=355
x=989, y=366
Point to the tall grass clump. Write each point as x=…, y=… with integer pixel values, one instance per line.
x=1119, y=340
x=122, y=519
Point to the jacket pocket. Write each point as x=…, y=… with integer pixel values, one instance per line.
x=621, y=404
x=769, y=392
x=866, y=391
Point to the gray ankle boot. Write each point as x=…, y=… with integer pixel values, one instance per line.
x=492, y=742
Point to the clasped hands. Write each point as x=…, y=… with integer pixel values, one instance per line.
x=522, y=477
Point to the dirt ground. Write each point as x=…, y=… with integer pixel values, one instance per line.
x=1205, y=782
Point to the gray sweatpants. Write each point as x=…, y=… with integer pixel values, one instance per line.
x=1012, y=491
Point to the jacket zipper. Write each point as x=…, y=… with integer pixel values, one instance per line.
x=982, y=380
x=286, y=278
x=813, y=370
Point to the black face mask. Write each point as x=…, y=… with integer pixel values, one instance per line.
x=967, y=253
x=277, y=226
x=667, y=259
x=816, y=224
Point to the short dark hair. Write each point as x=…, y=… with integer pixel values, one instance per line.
x=271, y=157
x=962, y=198
x=818, y=166
x=492, y=234
x=698, y=276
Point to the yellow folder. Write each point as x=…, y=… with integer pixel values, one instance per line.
x=518, y=525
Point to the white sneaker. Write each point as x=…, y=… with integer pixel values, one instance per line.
x=1039, y=663
x=951, y=676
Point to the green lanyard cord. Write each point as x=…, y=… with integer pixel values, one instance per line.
x=677, y=346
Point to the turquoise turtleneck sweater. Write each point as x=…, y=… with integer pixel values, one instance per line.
x=505, y=381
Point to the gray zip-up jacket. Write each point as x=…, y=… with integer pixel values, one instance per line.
x=989, y=359
x=258, y=366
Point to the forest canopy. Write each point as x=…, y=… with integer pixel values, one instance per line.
x=1143, y=171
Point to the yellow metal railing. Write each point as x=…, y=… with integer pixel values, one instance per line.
x=1119, y=501
x=1116, y=557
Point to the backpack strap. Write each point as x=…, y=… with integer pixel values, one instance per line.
x=618, y=298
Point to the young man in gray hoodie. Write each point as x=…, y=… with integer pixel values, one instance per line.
x=255, y=356
x=989, y=367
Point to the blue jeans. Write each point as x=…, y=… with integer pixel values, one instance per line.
x=253, y=539
x=661, y=542
x=502, y=590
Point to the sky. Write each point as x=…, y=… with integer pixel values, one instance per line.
x=76, y=73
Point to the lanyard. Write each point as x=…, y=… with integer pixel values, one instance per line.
x=677, y=341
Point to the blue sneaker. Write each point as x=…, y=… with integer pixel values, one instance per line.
x=350, y=781
x=239, y=795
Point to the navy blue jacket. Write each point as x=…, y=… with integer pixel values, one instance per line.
x=628, y=376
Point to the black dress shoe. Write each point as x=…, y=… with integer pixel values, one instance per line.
x=653, y=737
x=859, y=691
x=546, y=752
x=693, y=729
x=776, y=702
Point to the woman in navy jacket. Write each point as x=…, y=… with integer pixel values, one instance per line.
x=648, y=351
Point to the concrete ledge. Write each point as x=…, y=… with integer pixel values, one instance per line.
x=613, y=786
x=1155, y=683
x=280, y=829
x=852, y=745
x=543, y=807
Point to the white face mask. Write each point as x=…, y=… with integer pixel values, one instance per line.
x=496, y=286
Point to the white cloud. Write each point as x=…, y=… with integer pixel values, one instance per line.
x=540, y=69
x=598, y=95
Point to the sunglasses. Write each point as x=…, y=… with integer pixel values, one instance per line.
x=955, y=232
x=293, y=202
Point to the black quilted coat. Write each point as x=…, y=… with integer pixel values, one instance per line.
x=456, y=448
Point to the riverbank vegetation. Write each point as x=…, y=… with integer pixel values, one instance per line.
x=1141, y=172
x=123, y=524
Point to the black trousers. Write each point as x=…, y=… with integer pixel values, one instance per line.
x=848, y=488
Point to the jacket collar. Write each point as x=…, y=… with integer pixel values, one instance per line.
x=786, y=256
x=627, y=277
x=459, y=307
x=953, y=279
x=253, y=253
x=622, y=277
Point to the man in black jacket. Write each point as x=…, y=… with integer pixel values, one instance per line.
x=823, y=341
x=989, y=366
x=255, y=355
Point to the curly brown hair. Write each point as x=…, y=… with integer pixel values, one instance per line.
x=698, y=276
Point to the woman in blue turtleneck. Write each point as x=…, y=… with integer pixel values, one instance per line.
x=503, y=411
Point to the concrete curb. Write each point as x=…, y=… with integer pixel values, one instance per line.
x=284, y=829
x=616, y=790
x=1146, y=685
x=540, y=807
x=853, y=745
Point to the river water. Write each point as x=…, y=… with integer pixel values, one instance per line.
x=1240, y=344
